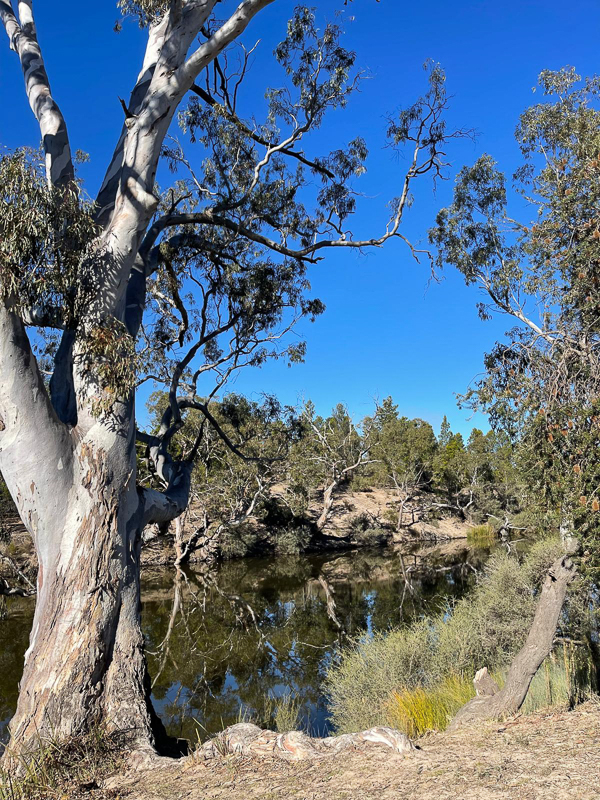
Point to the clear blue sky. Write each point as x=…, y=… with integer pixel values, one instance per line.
x=385, y=331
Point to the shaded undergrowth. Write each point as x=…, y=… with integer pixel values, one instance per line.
x=68, y=769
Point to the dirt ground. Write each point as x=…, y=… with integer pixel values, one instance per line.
x=546, y=755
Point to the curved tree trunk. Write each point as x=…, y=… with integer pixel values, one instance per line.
x=75, y=490
x=526, y=663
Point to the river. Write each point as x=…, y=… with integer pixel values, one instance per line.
x=222, y=642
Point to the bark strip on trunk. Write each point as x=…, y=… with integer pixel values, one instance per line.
x=526, y=663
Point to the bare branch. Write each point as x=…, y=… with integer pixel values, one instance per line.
x=210, y=100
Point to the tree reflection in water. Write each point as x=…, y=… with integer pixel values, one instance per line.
x=220, y=641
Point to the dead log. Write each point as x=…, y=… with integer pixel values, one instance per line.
x=526, y=663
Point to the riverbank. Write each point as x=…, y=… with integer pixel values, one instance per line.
x=358, y=520
x=552, y=754
x=230, y=639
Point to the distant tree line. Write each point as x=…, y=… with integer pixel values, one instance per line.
x=284, y=468
x=267, y=476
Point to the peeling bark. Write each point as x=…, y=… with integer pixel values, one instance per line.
x=85, y=664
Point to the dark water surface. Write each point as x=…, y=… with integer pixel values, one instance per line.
x=221, y=642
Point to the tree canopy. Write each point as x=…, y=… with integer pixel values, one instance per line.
x=541, y=383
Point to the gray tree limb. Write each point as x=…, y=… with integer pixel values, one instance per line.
x=23, y=40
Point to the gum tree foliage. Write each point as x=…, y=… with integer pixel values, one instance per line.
x=542, y=382
x=236, y=468
x=180, y=286
x=401, y=454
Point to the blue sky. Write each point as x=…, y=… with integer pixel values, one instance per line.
x=386, y=330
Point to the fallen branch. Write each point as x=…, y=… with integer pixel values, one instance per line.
x=249, y=740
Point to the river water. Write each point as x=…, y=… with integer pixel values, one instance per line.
x=223, y=642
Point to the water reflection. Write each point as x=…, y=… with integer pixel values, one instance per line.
x=221, y=641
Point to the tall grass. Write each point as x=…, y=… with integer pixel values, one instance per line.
x=287, y=713
x=481, y=535
x=565, y=678
x=416, y=711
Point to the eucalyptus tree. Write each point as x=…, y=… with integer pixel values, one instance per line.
x=542, y=383
x=329, y=454
x=182, y=287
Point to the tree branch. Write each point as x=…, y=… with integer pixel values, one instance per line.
x=226, y=34
x=161, y=34
x=23, y=40
x=256, y=137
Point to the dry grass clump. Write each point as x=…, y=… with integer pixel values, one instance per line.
x=277, y=712
x=416, y=711
x=71, y=768
x=287, y=713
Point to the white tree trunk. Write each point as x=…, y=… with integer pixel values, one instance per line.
x=327, y=504
x=85, y=665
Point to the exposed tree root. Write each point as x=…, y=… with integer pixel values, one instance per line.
x=247, y=739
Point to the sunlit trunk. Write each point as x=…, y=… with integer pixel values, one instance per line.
x=85, y=666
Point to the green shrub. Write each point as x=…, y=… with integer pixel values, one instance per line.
x=372, y=537
x=360, y=523
x=238, y=541
x=359, y=685
x=485, y=628
x=292, y=540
